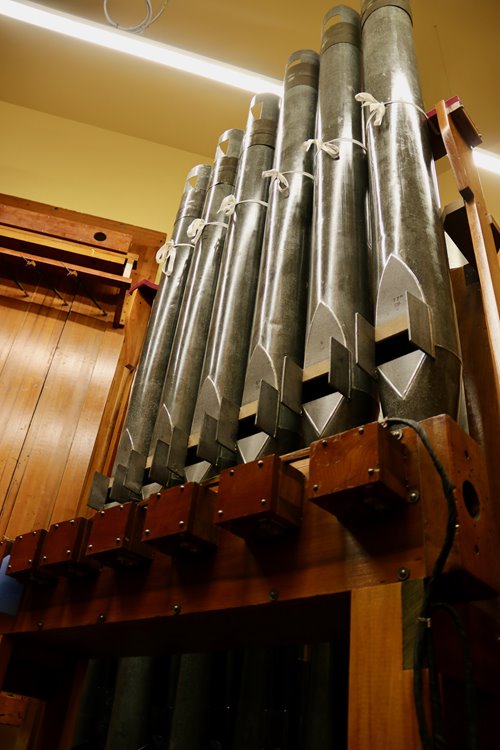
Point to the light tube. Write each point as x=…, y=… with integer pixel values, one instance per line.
x=147, y=49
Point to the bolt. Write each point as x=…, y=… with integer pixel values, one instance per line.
x=263, y=501
x=231, y=472
x=315, y=487
x=273, y=595
x=324, y=443
x=68, y=552
x=34, y=533
x=101, y=619
x=260, y=464
x=182, y=488
x=9, y=566
x=29, y=562
x=72, y=521
x=146, y=532
x=361, y=430
x=102, y=512
x=413, y=496
x=176, y=609
x=20, y=537
x=181, y=524
x=121, y=507
x=90, y=546
x=39, y=625
x=398, y=434
x=158, y=495
x=403, y=574
x=371, y=470
x=44, y=557
x=56, y=525
x=118, y=540
x=220, y=513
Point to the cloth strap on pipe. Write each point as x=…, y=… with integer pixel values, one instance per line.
x=330, y=147
x=195, y=229
x=228, y=205
x=377, y=109
x=283, y=184
x=167, y=253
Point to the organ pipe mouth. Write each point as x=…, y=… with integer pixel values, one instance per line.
x=369, y=6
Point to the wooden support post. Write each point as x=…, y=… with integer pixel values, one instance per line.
x=381, y=709
x=61, y=710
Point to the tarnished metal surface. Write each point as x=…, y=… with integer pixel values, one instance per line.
x=150, y=374
x=173, y=423
x=339, y=285
x=280, y=310
x=219, y=399
x=408, y=240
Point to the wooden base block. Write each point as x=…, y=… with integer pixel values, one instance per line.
x=180, y=520
x=63, y=550
x=24, y=558
x=260, y=500
x=358, y=474
x=115, y=537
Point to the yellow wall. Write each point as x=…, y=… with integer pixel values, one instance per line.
x=88, y=169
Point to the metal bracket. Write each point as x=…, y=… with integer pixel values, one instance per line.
x=339, y=374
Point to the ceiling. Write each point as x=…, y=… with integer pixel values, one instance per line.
x=456, y=44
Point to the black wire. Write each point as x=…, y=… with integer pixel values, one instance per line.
x=423, y=640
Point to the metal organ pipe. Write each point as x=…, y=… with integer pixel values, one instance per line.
x=128, y=470
x=173, y=423
x=415, y=330
x=274, y=379
x=219, y=399
x=339, y=285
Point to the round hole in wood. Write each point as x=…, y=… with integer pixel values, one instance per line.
x=471, y=499
x=100, y=236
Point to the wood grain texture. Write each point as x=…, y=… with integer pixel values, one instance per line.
x=381, y=711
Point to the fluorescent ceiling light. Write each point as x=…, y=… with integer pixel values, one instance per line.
x=486, y=160
x=172, y=57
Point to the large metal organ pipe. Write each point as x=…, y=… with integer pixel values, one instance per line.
x=273, y=378
x=342, y=394
x=171, y=431
x=216, y=415
x=128, y=469
x=417, y=345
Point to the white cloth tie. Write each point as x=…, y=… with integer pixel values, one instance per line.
x=329, y=147
x=228, y=205
x=280, y=178
x=377, y=109
x=195, y=229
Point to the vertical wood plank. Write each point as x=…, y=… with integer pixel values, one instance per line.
x=381, y=710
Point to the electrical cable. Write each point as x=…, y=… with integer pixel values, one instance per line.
x=424, y=650
x=146, y=22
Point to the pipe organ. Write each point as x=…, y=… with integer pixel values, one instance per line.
x=254, y=497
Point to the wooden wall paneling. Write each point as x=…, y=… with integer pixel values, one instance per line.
x=44, y=455
x=22, y=381
x=80, y=453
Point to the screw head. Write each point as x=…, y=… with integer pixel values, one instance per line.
x=315, y=487
x=263, y=501
x=34, y=533
x=361, y=430
x=220, y=513
x=72, y=521
x=9, y=566
x=68, y=552
x=398, y=434
x=146, y=532
x=44, y=557
x=371, y=470
x=39, y=625
x=324, y=443
x=29, y=562
x=274, y=595
x=118, y=540
x=181, y=524
x=20, y=537
x=403, y=574
x=176, y=609
x=90, y=546
x=413, y=496
x=182, y=488
x=231, y=472
x=158, y=494
x=260, y=463
x=102, y=512
x=56, y=525
x=101, y=619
